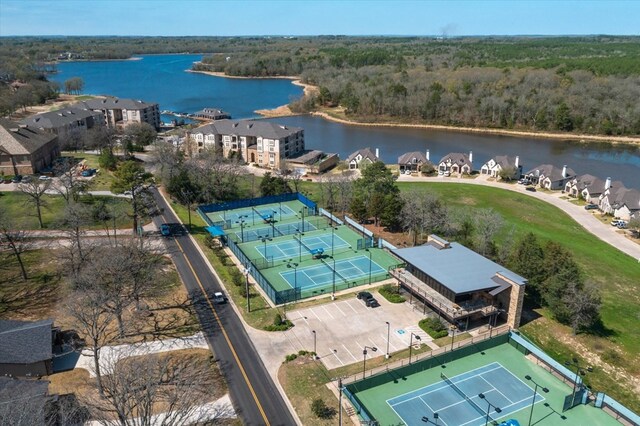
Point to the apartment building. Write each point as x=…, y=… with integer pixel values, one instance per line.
x=65, y=121
x=264, y=143
x=25, y=150
x=122, y=112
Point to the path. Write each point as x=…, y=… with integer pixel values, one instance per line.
x=585, y=218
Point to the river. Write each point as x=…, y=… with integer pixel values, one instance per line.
x=162, y=79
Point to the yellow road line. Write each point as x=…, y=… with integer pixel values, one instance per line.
x=224, y=332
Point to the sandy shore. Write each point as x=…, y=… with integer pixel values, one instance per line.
x=284, y=110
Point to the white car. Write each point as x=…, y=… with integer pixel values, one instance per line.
x=218, y=298
x=617, y=222
x=43, y=177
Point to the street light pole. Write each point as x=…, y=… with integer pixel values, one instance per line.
x=364, y=358
x=369, y=251
x=246, y=287
x=489, y=405
x=388, y=334
x=411, y=344
x=535, y=390
x=315, y=353
x=333, y=289
x=340, y=401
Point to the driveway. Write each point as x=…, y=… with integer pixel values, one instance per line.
x=586, y=218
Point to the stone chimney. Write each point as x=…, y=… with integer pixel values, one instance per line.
x=471, y=156
x=607, y=183
x=517, y=161
x=564, y=171
x=377, y=153
x=428, y=155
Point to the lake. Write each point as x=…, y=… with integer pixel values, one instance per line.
x=162, y=79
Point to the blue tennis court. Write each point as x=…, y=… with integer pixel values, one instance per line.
x=322, y=274
x=291, y=248
x=254, y=234
x=459, y=403
x=253, y=214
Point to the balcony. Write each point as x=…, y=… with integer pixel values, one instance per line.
x=438, y=302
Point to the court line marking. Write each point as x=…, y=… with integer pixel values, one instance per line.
x=432, y=410
x=495, y=388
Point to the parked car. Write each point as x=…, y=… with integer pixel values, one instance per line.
x=524, y=182
x=615, y=222
x=218, y=298
x=591, y=206
x=531, y=188
x=27, y=179
x=165, y=230
x=44, y=177
x=17, y=179
x=407, y=172
x=622, y=225
x=363, y=295
x=88, y=172
x=368, y=299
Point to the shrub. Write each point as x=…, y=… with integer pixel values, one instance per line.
x=237, y=278
x=321, y=410
x=279, y=324
x=433, y=327
x=277, y=320
x=290, y=357
x=390, y=293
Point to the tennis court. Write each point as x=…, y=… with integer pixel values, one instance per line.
x=252, y=214
x=271, y=231
x=321, y=275
x=292, y=248
x=458, y=402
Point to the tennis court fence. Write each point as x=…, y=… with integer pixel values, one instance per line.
x=276, y=230
x=253, y=202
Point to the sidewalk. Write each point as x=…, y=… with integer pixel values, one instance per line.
x=584, y=217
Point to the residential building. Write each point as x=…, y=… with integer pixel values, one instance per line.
x=64, y=122
x=620, y=202
x=459, y=284
x=313, y=162
x=578, y=184
x=362, y=157
x=550, y=177
x=25, y=150
x=212, y=114
x=264, y=143
x=497, y=164
x=413, y=161
x=122, y=112
x=26, y=348
x=456, y=162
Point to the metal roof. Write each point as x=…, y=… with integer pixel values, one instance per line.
x=459, y=269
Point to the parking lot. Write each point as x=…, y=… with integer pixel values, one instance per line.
x=343, y=329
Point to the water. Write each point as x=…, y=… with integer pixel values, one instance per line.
x=162, y=79
x=604, y=160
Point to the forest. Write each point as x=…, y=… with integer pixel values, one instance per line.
x=568, y=84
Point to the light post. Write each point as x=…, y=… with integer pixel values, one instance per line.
x=364, y=358
x=264, y=240
x=340, y=401
x=246, y=287
x=535, y=391
x=411, y=343
x=436, y=416
x=333, y=230
x=579, y=372
x=453, y=334
x=302, y=213
x=489, y=405
x=242, y=222
x=333, y=289
x=315, y=352
x=388, y=334
x=369, y=251
x=300, y=234
x=295, y=279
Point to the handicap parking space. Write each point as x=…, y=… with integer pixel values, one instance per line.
x=344, y=328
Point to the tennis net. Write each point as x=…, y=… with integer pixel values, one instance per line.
x=303, y=244
x=335, y=271
x=464, y=395
x=258, y=213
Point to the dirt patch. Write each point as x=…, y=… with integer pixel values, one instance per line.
x=398, y=239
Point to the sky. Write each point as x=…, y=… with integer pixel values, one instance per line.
x=311, y=17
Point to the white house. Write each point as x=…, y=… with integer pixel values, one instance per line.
x=413, y=161
x=456, y=162
x=496, y=165
x=362, y=157
x=575, y=186
x=620, y=202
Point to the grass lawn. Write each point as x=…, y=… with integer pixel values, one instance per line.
x=24, y=214
x=102, y=180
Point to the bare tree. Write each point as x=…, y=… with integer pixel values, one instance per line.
x=487, y=223
x=89, y=308
x=75, y=218
x=161, y=389
x=411, y=215
x=344, y=182
x=14, y=240
x=68, y=185
x=35, y=190
x=583, y=303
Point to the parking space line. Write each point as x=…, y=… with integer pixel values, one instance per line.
x=327, y=311
x=375, y=345
x=338, y=358
x=349, y=352
x=314, y=313
x=391, y=345
x=349, y=304
x=338, y=308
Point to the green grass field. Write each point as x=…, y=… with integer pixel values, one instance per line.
x=24, y=214
x=375, y=398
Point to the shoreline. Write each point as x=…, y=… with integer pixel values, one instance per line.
x=285, y=111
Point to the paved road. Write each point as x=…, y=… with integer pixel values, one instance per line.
x=586, y=218
x=255, y=396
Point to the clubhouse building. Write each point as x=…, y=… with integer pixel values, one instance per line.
x=460, y=285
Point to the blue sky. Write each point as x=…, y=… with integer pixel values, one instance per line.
x=301, y=17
